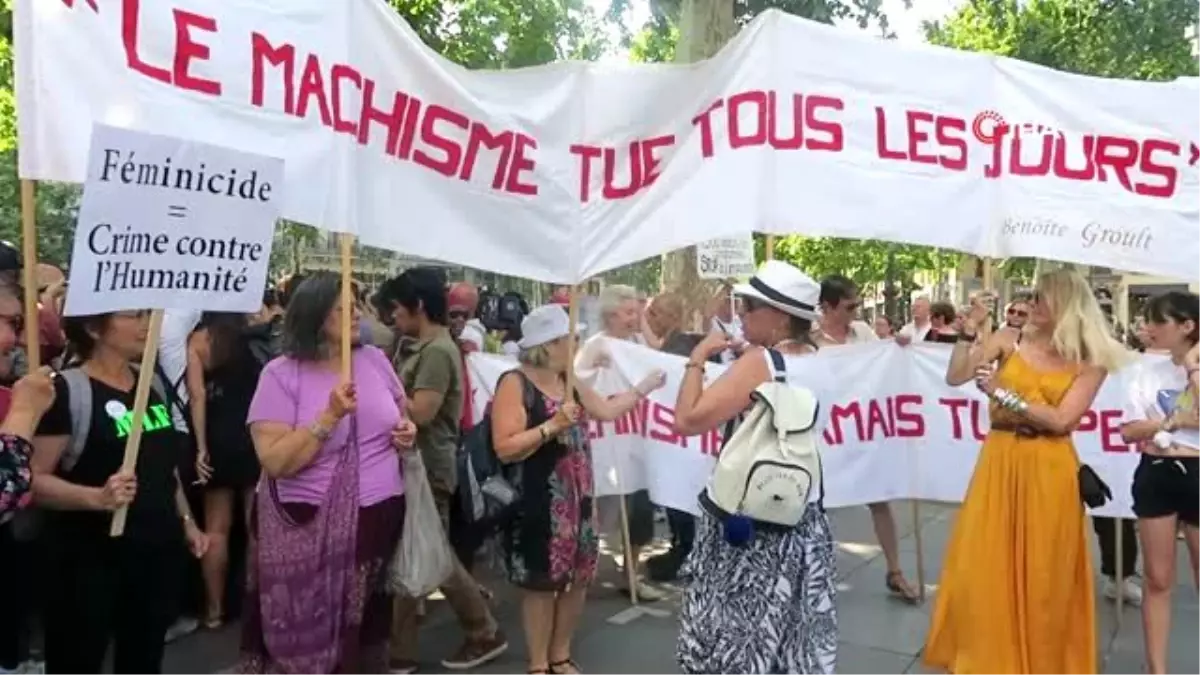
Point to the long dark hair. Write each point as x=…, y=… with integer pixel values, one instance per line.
x=307, y=309
x=225, y=333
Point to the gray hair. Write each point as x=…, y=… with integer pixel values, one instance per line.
x=612, y=297
x=535, y=357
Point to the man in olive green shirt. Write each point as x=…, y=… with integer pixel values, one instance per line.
x=432, y=376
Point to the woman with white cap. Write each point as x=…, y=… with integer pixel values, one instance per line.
x=765, y=605
x=550, y=546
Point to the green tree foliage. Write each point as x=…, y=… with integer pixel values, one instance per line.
x=1129, y=39
x=863, y=261
x=507, y=33
x=654, y=41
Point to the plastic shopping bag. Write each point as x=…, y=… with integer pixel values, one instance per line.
x=423, y=559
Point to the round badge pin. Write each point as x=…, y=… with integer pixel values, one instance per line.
x=115, y=409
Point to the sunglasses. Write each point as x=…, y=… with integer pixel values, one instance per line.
x=1018, y=312
x=458, y=314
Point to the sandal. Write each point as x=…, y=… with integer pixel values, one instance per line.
x=900, y=588
x=564, y=667
x=538, y=671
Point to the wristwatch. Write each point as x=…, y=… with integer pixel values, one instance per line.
x=319, y=431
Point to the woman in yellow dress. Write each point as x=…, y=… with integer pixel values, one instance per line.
x=1016, y=588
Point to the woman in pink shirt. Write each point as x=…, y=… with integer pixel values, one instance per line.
x=330, y=508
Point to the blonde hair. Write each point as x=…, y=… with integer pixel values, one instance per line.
x=1081, y=331
x=670, y=304
x=536, y=357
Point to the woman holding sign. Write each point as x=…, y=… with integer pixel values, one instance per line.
x=329, y=512
x=1161, y=418
x=1016, y=590
x=106, y=589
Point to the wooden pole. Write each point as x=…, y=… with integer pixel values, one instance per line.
x=140, y=398
x=348, y=300
x=33, y=344
x=769, y=248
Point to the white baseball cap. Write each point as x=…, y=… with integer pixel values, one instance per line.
x=546, y=324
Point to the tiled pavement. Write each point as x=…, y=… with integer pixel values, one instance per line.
x=878, y=634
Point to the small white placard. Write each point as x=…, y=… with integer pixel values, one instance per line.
x=731, y=258
x=167, y=223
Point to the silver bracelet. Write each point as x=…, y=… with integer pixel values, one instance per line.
x=1010, y=401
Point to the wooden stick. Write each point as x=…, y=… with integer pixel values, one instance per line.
x=33, y=343
x=918, y=542
x=627, y=545
x=572, y=325
x=348, y=300
x=769, y=249
x=140, y=399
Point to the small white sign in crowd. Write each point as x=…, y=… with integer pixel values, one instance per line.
x=167, y=223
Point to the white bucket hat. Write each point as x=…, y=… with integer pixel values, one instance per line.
x=546, y=324
x=785, y=288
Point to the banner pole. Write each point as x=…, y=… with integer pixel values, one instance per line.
x=33, y=345
x=348, y=300
x=769, y=249
x=140, y=398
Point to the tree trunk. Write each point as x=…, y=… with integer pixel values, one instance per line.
x=704, y=27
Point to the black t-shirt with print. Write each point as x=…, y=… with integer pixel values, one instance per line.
x=152, y=515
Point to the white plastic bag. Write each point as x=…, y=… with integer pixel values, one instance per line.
x=423, y=560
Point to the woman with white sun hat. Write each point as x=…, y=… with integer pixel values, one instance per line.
x=763, y=601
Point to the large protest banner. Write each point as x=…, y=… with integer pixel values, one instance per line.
x=560, y=172
x=892, y=427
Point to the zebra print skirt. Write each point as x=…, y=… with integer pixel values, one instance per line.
x=767, y=607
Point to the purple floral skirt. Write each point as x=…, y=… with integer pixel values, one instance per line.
x=365, y=637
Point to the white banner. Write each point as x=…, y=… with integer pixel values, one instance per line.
x=560, y=172
x=893, y=428
x=171, y=224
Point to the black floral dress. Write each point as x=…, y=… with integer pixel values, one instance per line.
x=551, y=542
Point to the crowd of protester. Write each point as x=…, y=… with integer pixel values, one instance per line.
x=268, y=487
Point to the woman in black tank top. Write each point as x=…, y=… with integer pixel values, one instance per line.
x=222, y=375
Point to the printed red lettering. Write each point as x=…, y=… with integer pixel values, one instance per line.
x=840, y=413
x=954, y=406
x=932, y=139
x=338, y=75
x=1142, y=167
x=909, y=423
x=130, y=15
x=264, y=54
x=187, y=50
x=755, y=103
x=521, y=165
x=755, y=118
x=391, y=120
x=586, y=154
x=481, y=136
x=610, y=189
x=312, y=85
x=832, y=129
x=436, y=139
x=651, y=160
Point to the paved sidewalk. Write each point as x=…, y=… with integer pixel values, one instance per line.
x=878, y=633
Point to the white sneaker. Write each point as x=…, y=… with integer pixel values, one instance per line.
x=1129, y=589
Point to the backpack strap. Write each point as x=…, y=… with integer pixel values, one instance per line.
x=777, y=365
x=79, y=405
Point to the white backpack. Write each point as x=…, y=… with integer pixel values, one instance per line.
x=770, y=466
